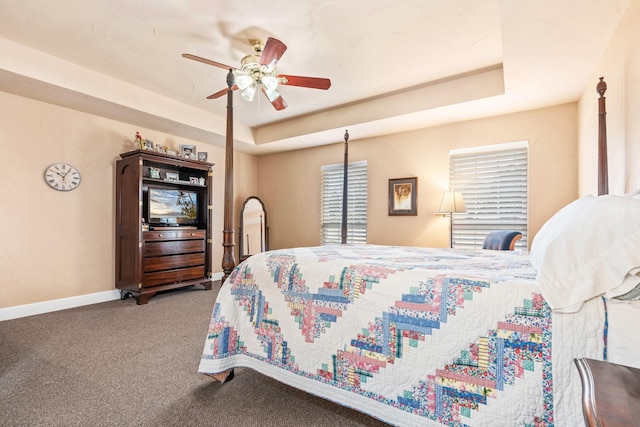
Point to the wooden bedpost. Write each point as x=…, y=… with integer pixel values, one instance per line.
x=228, y=260
x=345, y=192
x=603, y=170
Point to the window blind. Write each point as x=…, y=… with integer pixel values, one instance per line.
x=493, y=181
x=331, y=218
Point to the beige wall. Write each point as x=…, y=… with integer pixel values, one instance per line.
x=293, y=202
x=620, y=67
x=61, y=244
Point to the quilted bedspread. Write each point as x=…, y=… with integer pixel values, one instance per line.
x=411, y=336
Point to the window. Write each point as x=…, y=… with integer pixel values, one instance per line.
x=332, y=185
x=493, y=182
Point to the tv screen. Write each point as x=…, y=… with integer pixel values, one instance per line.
x=173, y=207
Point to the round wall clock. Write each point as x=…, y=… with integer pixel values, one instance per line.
x=62, y=176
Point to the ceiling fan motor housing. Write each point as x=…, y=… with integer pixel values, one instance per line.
x=251, y=66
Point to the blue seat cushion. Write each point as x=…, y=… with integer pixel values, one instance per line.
x=502, y=240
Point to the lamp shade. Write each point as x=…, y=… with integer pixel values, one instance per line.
x=451, y=202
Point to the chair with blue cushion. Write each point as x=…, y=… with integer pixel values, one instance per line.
x=501, y=240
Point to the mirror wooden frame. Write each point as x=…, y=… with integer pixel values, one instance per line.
x=245, y=240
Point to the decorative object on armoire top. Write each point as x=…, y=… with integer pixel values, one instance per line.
x=451, y=203
x=62, y=177
x=137, y=141
x=259, y=69
x=188, y=151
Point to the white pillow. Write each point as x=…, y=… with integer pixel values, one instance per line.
x=587, y=249
x=554, y=227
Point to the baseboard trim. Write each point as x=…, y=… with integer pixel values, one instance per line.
x=57, y=304
x=65, y=303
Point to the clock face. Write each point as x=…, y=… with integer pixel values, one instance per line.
x=62, y=176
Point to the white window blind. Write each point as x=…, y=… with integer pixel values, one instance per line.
x=493, y=183
x=332, y=185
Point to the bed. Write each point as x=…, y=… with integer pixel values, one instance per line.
x=424, y=336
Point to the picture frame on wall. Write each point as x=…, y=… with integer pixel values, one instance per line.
x=403, y=196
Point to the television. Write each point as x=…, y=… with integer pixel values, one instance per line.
x=172, y=207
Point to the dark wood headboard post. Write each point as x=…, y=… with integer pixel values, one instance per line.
x=345, y=192
x=603, y=170
x=228, y=260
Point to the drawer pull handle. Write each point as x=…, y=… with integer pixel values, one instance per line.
x=159, y=235
x=193, y=234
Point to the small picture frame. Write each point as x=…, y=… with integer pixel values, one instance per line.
x=154, y=173
x=173, y=176
x=194, y=180
x=147, y=144
x=186, y=150
x=403, y=195
x=202, y=156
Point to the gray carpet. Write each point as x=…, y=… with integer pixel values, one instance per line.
x=120, y=364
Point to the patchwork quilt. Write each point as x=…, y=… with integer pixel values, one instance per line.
x=411, y=336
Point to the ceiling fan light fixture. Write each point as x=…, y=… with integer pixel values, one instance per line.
x=249, y=92
x=270, y=83
x=243, y=81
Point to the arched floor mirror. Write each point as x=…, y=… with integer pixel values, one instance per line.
x=254, y=237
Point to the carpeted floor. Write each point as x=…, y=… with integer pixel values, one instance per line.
x=120, y=364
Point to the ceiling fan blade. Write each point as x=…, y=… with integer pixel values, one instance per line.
x=207, y=61
x=303, y=81
x=222, y=92
x=272, y=52
x=275, y=99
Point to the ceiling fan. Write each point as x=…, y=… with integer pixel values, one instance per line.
x=259, y=69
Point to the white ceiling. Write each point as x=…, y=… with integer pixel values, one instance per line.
x=394, y=65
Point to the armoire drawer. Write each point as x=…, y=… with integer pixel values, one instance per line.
x=173, y=261
x=173, y=276
x=174, y=234
x=153, y=249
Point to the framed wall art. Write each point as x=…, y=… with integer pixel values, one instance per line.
x=403, y=196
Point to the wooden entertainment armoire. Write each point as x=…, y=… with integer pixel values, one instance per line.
x=157, y=256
